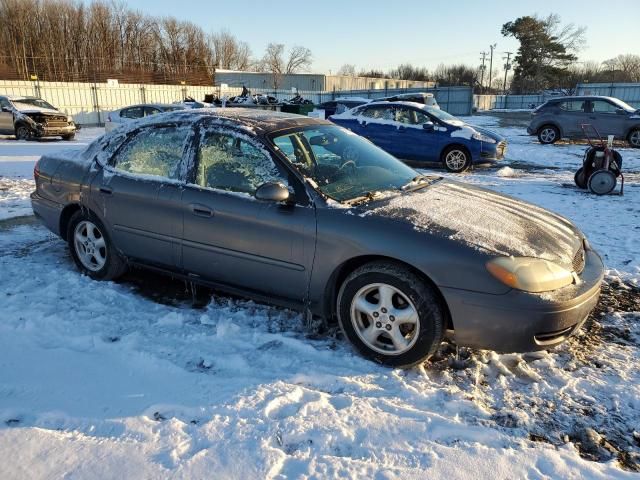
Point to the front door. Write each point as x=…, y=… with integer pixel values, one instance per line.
x=234, y=239
x=418, y=143
x=138, y=194
x=604, y=116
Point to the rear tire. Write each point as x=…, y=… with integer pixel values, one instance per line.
x=390, y=315
x=580, y=178
x=548, y=134
x=634, y=138
x=92, y=249
x=456, y=159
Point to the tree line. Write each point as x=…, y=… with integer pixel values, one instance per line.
x=68, y=40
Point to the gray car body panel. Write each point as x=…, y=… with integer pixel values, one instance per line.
x=569, y=122
x=295, y=254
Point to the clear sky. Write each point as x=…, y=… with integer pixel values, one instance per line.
x=384, y=33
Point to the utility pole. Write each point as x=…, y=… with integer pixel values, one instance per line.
x=482, y=69
x=492, y=48
x=507, y=67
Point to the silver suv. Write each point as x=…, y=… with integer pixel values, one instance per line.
x=32, y=117
x=564, y=117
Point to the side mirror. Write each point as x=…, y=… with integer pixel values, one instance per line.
x=428, y=127
x=6, y=109
x=621, y=111
x=272, y=192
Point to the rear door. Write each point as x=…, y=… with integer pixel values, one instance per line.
x=571, y=115
x=232, y=238
x=138, y=193
x=379, y=125
x=6, y=117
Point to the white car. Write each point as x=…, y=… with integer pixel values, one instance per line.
x=134, y=112
x=427, y=99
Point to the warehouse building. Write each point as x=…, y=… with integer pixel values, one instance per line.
x=311, y=81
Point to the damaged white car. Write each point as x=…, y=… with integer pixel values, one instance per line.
x=32, y=117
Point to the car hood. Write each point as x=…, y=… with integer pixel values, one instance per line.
x=40, y=110
x=485, y=220
x=488, y=133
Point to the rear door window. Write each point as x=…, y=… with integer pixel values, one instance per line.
x=154, y=151
x=379, y=112
x=150, y=111
x=132, y=112
x=573, y=106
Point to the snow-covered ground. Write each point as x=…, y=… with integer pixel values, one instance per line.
x=132, y=380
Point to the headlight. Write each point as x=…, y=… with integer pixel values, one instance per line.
x=529, y=274
x=482, y=138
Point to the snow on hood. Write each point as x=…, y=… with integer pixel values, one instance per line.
x=32, y=109
x=486, y=220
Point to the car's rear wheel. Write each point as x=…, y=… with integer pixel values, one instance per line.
x=456, y=159
x=634, y=138
x=548, y=134
x=92, y=249
x=23, y=132
x=390, y=314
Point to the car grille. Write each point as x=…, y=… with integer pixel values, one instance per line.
x=501, y=149
x=578, y=260
x=56, y=121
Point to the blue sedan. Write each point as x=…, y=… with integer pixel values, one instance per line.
x=422, y=134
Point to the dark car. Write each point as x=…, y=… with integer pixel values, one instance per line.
x=32, y=117
x=340, y=105
x=564, y=117
x=302, y=213
x=422, y=134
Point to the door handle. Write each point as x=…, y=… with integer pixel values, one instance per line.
x=106, y=190
x=201, y=210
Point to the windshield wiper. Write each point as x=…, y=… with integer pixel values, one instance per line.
x=418, y=182
x=365, y=197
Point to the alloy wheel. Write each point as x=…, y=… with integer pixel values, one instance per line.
x=548, y=135
x=385, y=319
x=90, y=246
x=634, y=138
x=455, y=160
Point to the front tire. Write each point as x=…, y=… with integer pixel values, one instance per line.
x=390, y=315
x=23, y=132
x=634, y=138
x=69, y=137
x=548, y=134
x=92, y=249
x=456, y=159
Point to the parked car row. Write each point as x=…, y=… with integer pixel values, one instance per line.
x=301, y=212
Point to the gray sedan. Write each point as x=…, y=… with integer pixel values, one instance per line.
x=302, y=213
x=564, y=118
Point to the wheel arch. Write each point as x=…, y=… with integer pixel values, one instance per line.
x=453, y=145
x=65, y=216
x=343, y=270
x=551, y=124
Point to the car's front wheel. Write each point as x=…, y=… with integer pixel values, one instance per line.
x=23, y=132
x=548, y=134
x=456, y=159
x=390, y=314
x=69, y=137
x=634, y=138
x=92, y=249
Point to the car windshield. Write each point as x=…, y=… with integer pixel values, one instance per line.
x=31, y=102
x=345, y=166
x=442, y=115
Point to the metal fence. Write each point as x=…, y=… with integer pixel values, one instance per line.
x=90, y=103
x=628, y=92
x=508, y=102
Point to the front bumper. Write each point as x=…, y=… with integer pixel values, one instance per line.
x=493, y=152
x=522, y=322
x=46, y=131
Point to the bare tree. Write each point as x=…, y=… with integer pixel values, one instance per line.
x=347, y=70
x=300, y=58
x=229, y=52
